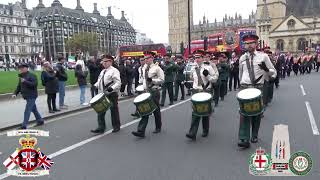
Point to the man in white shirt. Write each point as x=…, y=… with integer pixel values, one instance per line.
x=203, y=76
x=253, y=67
x=153, y=77
x=109, y=81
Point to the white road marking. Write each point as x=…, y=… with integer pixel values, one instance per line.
x=302, y=89
x=72, y=147
x=67, y=116
x=313, y=123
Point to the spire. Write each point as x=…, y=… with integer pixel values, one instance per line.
x=56, y=3
x=24, y=4
x=123, y=18
x=109, y=16
x=95, y=9
x=265, y=12
x=40, y=5
x=79, y=6
x=204, y=19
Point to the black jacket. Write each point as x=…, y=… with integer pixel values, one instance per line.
x=123, y=74
x=28, y=88
x=129, y=72
x=61, y=72
x=81, y=76
x=50, y=82
x=94, y=70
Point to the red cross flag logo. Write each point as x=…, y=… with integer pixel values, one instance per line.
x=260, y=163
x=28, y=161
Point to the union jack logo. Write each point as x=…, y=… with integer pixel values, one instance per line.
x=44, y=161
x=28, y=160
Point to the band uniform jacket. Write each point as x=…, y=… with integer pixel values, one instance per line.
x=258, y=58
x=155, y=73
x=211, y=78
x=109, y=75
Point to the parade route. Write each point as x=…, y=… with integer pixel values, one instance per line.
x=78, y=154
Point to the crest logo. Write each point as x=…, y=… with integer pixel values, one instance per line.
x=260, y=163
x=300, y=163
x=27, y=159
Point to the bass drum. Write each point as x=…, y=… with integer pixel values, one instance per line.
x=100, y=103
x=250, y=102
x=145, y=104
x=201, y=104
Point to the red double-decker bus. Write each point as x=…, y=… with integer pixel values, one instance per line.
x=137, y=50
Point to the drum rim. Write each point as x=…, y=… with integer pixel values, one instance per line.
x=201, y=93
x=140, y=88
x=95, y=98
x=249, y=89
x=135, y=99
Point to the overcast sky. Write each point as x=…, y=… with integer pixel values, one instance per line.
x=151, y=16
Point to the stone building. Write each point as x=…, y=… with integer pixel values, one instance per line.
x=289, y=25
x=178, y=24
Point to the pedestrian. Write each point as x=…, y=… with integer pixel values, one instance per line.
x=136, y=66
x=140, y=82
x=62, y=78
x=203, y=76
x=224, y=71
x=123, y=76
x=253, y=66
x=216, y=85
x=109, y=82
x=27, y=86
x=169, y=69
x=94, y=71
x=153, y=78
x=234, y=72
x=50, y=82
x=82, y=82
x=130, y=75
x=180, y=78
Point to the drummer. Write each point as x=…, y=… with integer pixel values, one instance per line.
x=141, y=78
x=203, y=76
x=259, y=64
x=153, y=78
x=109, y=82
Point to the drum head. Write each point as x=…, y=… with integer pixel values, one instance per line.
x=141, y=97
x=249, y=93
x=140, y=88
x=96, y=98
x=203, y=96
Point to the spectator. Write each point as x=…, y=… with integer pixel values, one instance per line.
x=130, y=75
x=123, y=77
x=94, y=70
x=50, y=82
x=62, y=78
x=27, y=86
x=81, y=78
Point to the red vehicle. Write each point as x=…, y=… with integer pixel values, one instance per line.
x=137, y=50
x=195, y=45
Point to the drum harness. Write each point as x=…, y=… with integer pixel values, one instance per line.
x=105, y=86
x=251, y=73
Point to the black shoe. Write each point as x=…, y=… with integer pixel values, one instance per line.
x=161, y=105
x=175, y=100
x=244, y=144
x=156, y=131
x=56, y=110
x=205, y=134
x=98, y=131
x=22, y=127
x=171, y=103
x=51, y=111
x=254, y=140
x=192, y=137
x=115, y=130
x=39, y=124
x=182, y=99
x=138, y=134
x=135, y=114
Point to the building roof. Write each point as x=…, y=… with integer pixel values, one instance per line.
x=303, y=7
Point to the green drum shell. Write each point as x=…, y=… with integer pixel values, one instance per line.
x=101, y=105
x=251, y=107
x=202, y=108
x=146, y=107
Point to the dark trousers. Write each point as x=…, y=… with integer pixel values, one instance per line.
x=302, y=69
x=296, y=72
x=123, y=86
x=31, y=107
x=288, y=73
x=234, y=76
x=244, y=127
x=268, y=92
x=178, y=84
x=157, y=114
x=136, y=82
x=277, y=80
x=167, y=86
x=216, y=96
x=94, y=90
x=195, y=125
x=318, y=65
x=223, y=89
x=115, y=117
x=51, y=101
x=283, y=74
x=129, y=87
x=309, y=68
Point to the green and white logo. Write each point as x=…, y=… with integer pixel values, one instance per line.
x=300, y=163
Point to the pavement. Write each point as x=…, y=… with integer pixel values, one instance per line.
x=79, y=154
x=12, y=109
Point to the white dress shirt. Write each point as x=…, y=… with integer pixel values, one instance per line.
x=258, y=58
x=211, y=78
x=108, y=75
x=155, y=73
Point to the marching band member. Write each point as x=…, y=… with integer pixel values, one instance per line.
x=109, y=80
x=203, y=76
x=179, y=80
x=153, y=78
x=253, y=67
x=142, y=63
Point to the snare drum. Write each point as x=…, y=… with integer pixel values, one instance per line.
x=250, y=101
x=100, y=103
x=201, y=104
x=145, y=104
x=140, y=89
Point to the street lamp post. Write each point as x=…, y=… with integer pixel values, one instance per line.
x=109, y=36
x=189, y=29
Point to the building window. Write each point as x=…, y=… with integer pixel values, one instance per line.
x=302, y=44
x=11, y=39
x=1, y=50
x=291, y=24
x=280, y=45
x=22, y=39
x=12, y=49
